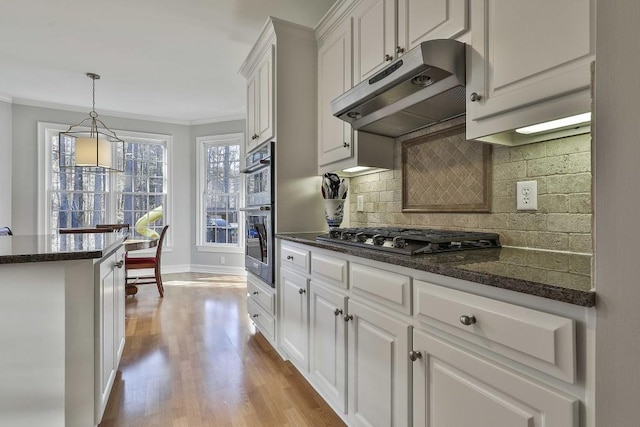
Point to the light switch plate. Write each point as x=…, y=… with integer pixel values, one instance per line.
x=360, y=207
x=527, y=196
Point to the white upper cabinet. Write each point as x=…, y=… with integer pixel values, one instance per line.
x=335, y=136
x=421, y=20
x=374, y=39
x=385, y=29
x=530, y=62
x=260, y=117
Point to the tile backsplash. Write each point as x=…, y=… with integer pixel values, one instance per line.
x=562, y=168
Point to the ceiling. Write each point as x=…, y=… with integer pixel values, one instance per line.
x=173, y=60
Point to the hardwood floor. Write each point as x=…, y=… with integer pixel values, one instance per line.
x=194, y=359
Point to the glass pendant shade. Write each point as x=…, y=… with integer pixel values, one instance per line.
x=93, y=144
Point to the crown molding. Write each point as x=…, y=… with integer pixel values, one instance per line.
x=6, y=98
x=123, y=115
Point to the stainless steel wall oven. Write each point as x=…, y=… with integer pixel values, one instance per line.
x=259, y=210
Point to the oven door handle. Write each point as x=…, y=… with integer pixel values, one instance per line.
x=257, y=208
x=262, y=163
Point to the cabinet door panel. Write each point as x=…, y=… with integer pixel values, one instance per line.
x=294, y=316
x=378, y=368
x=120, y=296
x=334, y=78
x=374, y=36
x=421, y=20
x=547, y=53
x=328, y=344
x=447, y=378
x=265, y=116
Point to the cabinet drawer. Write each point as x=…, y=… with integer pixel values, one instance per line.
x=541, y=340
x=384, y=287
x=329, y=269
x=263, y=321
x=295, y=257
x=265, y=298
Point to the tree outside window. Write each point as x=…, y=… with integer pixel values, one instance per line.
x=220, y=186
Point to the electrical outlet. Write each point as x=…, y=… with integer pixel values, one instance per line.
x=527, y=195
x=360, y=204
x=222, y=260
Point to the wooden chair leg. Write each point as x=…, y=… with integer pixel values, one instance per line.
x=159, y=281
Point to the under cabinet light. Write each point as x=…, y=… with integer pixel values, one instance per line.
x=356, y=169
x=579, y=119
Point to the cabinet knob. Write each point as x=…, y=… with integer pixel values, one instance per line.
x=415, y=355
x=475, y=97
x=254, y=316
x=337, y=312
x=256, y=292
x=119, y=264
x=388, y=57
x=302, y=291
x=345, y=144
x=399, y=49
x=468, y=319
x=348, y=317
x=290, y=257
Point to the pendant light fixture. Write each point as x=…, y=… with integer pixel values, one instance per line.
x=92, y=142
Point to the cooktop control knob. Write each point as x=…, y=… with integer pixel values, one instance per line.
x=378, y=239
x=361, y=237
x=346, y=235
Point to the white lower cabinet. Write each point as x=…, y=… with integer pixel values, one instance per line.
x=110, y=328
x=328, y=344
x=386, y=348
x=454, y=387
x=295, y=317
x=378, y=368
x=261, y=307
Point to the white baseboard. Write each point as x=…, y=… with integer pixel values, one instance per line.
x=195, y=268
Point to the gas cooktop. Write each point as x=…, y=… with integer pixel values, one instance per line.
x=411, y=241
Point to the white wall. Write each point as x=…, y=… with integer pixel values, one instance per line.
x=25, y=174
x=617, y=213
x=211, y=261
x=5, y=164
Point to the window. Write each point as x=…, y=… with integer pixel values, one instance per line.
x=80, y=197
x=219, y=186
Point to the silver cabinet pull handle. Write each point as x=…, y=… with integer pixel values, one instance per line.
x=345, y=144
x=415, y=355
x=254, y=316
x=119, y=264
x=475, y=97
x=337, y=312
x=290, y=257
x=468, y=319
x=302, y=291
x=399, y=49
x=256, y=292
x=388, y=57
x=348, y=317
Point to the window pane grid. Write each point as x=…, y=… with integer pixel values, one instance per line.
x=221, y=194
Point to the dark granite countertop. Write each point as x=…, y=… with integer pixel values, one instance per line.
x=559, y=276
x=58, y=247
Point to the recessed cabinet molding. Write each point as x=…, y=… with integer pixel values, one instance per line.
x=539, y=72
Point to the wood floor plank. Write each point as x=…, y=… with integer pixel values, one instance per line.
x=193, y=359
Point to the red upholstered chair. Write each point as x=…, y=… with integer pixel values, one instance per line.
x=152, y=262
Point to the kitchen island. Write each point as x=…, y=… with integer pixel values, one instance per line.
x=62, y=327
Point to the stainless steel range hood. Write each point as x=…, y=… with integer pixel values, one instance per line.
x=423, y=87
